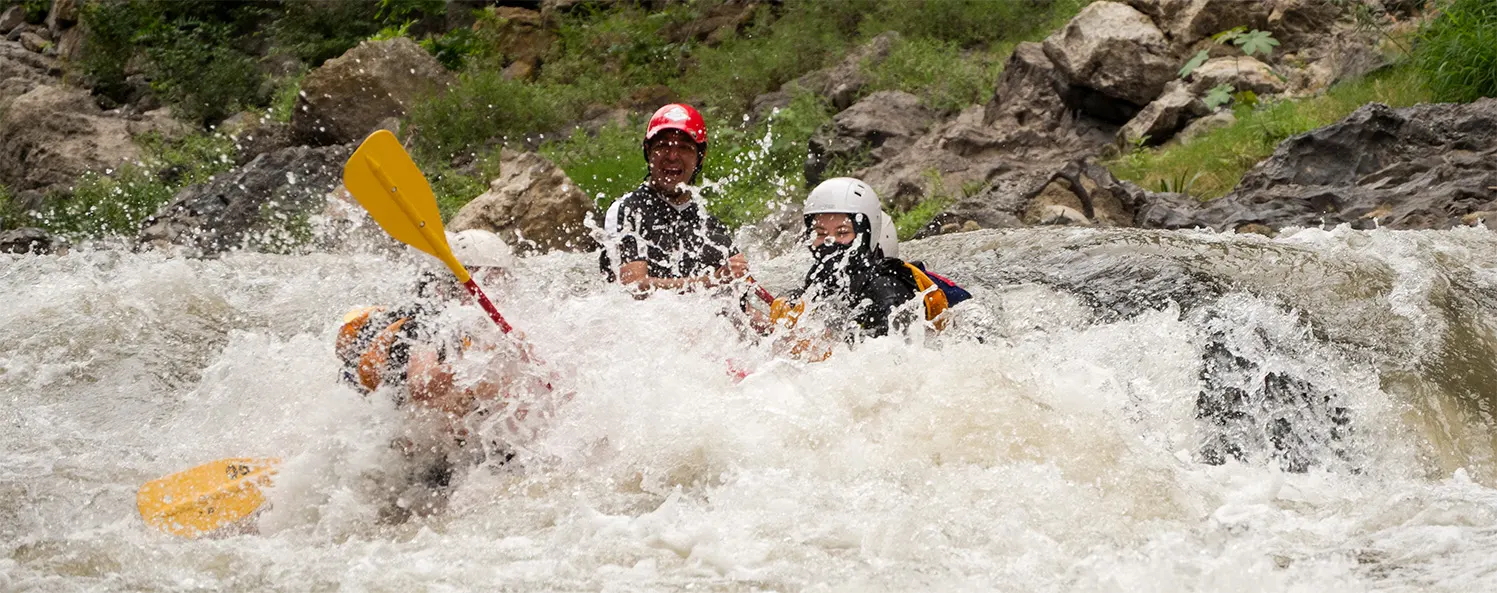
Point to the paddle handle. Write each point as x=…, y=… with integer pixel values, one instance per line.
x=483, y=301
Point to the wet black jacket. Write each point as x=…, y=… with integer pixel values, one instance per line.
x=674, y=242
x=866, y=306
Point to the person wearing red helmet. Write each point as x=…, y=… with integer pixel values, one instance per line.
x=658, y=236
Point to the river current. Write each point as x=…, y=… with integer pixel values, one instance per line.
x=1052, y=440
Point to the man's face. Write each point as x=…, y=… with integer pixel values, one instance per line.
x=832, y=227
x=673, y=158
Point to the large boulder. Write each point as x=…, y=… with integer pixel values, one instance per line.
x=1163, y=117
x=1116, y=50
x=255, y=206
x=1193, y=20
x=532, y=205
x=12, y=17
x=873, y=130
x=1243, y=73
x=348, y=96
x=1301, y=23
x=51, y=135
x=1423, y=167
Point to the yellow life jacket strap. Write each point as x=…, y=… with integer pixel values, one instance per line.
x=934, y=297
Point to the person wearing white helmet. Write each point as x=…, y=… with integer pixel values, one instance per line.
x=440, y=360
x=856, y=280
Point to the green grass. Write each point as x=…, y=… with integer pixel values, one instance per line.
x=1215, y=162
x=1458, y=50
x=944, y=76
x=604, y=167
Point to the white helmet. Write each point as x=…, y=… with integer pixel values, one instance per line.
x=481, y=248
x=846, y=195
x=888, y=239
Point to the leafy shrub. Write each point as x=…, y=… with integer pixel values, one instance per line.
x=192, y=52
x=484, y=107
x=1458, y=51
x=104, y=205
x=605, y=166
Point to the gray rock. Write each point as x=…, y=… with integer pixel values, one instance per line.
x=64, y=14
x=1243, y=73
x=1221, y=119
x=51, y=135
x=876, y=128
x=1116, y=50
x=1423, y=167
x=30, y=240
x=345, y=98
x=252, y=206
x=33, y=42
x=1161, y=118
x=533, y=205
x=11, y=18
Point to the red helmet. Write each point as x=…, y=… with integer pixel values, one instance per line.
x=678, y=116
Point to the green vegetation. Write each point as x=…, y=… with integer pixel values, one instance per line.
x=1458, y=51
x=1211, y=165
x=117, y=202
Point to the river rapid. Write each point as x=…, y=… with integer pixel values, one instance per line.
x=1050, y=441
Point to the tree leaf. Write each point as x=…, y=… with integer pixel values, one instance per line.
x=1256, y=42
x=1219, y=95
x=1195, y=62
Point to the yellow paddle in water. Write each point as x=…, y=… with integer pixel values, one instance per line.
x=206, y=498
x=384, y=179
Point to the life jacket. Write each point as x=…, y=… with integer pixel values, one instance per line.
x=369, y=346
x=954, y=294
x=931, y=294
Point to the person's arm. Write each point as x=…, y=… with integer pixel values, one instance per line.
x=432, y=384
x=636, y=274
x=883, y=312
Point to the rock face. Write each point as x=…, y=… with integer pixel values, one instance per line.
x=1116, y=50
x=1423, y=167
x=1244, y=73
x=532, y=205
x=22, y=70
x=51, y=135
x=30, y=240
x=347, y=97
x=245, y=206
x=875, y=129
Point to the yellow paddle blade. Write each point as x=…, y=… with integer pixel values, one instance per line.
x=384, y=179
x=207, y=497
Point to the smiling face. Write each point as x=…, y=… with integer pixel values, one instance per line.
x=832, y=227
x=673, y=159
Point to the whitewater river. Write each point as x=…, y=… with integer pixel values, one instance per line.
x=1049, y=442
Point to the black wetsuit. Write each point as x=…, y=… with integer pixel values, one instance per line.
x=675, y=242
x=864, y=299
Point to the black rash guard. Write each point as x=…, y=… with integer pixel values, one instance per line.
x=675, y=242
x=866, y=304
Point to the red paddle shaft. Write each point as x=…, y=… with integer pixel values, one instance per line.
x=483, y=301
